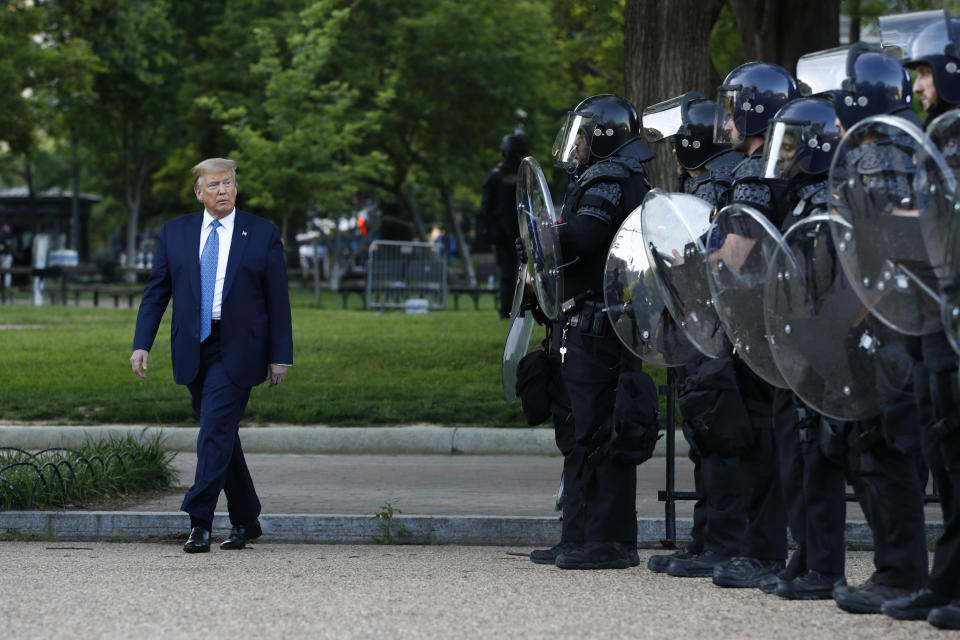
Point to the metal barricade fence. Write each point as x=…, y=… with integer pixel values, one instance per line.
x=401, y=271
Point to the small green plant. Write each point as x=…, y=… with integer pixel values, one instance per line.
x=62, y=477
x=16, y=536
x=391, y=531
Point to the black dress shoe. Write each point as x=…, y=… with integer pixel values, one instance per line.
x=868, y=597
x=198, y=542
x=946, y=617
x=241, y=535
x=809, y=585
x=916, y=606
x=745, y=573
x=549, y=556
x=597, y=555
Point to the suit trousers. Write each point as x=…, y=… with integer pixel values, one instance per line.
x=219, y=405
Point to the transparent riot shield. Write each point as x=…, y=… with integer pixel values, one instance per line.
x=885, y=179
x=538, y=229
x=939, y=220
x=949, y=276
x=635, y=302
x=517, y=343
x=674, y=226
x=740, y=244
x=835, y=355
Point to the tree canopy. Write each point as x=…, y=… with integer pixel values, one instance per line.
x=325, y=101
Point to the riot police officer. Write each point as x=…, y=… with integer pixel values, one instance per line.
x=499, y=211
x=880, y=455
x=814, y=453
x=612, y=401
x=704, y=170
x=933, y=50
x=749, y=96
x=802, y=137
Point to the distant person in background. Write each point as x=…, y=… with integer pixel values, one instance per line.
x=224, y=270
x=6, y=256
x=498, y=211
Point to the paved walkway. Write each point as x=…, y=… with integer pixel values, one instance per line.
x=438, y=493
x=506, y=485
x=104, y=590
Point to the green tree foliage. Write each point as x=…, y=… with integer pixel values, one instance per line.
x=130, y=128
x=303, y=149
x=319, y=99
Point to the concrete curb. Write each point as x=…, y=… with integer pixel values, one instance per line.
x=347, y=529
x=414, y=439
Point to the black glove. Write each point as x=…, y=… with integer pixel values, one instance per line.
x=521, y=251
x=531, y=304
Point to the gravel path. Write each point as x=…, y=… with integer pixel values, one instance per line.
x=112, y=590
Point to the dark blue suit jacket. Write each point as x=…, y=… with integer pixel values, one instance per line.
x=255, y=327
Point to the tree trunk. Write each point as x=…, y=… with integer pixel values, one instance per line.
x=666, y=53
x=133, y=192
x=780, y=31
x=462, y=245
x=855, y=9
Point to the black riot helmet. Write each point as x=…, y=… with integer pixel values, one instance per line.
x=862, y=81
x=600, y=127
x=513, y=146
x=931, y=38
x=801, y=138
x=750, y=95
x=688, y=121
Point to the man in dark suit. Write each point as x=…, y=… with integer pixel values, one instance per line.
x=231, y=330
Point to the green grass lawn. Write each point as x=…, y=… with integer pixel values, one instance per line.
x=351, y=367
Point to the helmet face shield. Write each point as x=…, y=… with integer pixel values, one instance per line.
x=663, y=119
x=725, y=123
x=783, y=152
x=802, y=138
x=572, y=145
x=822, y=70
x=899, y=30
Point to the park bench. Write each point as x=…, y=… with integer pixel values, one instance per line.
x=348, y=287
x=487, y=276
x=474, y=292
x=116, y=292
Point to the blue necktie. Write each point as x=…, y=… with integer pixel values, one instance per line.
x=208, y=278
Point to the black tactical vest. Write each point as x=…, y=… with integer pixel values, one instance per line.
x=586, y=271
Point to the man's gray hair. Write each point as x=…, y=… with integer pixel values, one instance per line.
x=214, y=165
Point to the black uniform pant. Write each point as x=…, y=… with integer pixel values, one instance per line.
x=765, y=533
x=713, y=421
x=605, y=505
x=888, y=489
x=507, y=263
x=813, y=488
x=700, y=504
x=937, y=380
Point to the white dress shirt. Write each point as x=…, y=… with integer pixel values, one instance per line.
x=224, y=237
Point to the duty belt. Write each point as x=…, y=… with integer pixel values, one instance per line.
x=590, y=318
